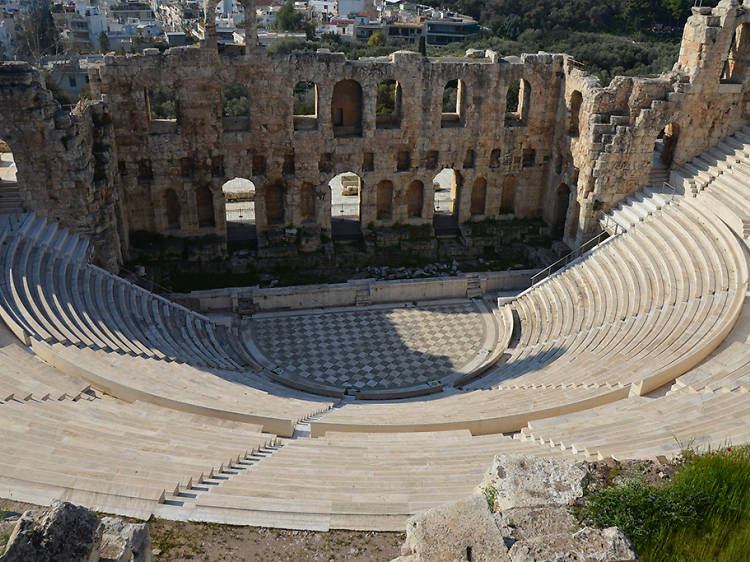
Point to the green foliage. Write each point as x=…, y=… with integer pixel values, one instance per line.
x=386, y=98
x=288, y=19
x=162, y=102
x=511, y=98
x=490, y=494
x=702, y=514
x=304, y=98
x=104, y=46
x=377, y=39
x=450, y=97
x=234, y=96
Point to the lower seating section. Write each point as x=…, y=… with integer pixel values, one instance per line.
x=355, y=481
x=112, y=456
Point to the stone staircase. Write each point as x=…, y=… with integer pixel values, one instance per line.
x=362, y=296
x=473, y=287
x=635, y=209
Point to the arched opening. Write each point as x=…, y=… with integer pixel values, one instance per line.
x=562, y=201
x=478, y=197
x=384, y=200
x=172, y=209
x=665, y=145
x=235, y=106
x=305, y=106
x=447, y=187
x=388, y=105
x=508, y=196
x=736, y=62
x=204, y=201
x=346, y=194
x=346, y=109
x=274, y=203
x=11, y=200
x=307, y=202
x=495, y=158
x=239, y=203
x=415, y=199
x=469, y=159
x=452, y=104
x=517, y=103
x=574, y=113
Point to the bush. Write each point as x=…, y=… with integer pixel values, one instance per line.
x=702, y=514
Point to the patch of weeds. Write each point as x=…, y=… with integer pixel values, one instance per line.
x=490, y=494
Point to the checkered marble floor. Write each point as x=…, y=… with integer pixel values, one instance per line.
x=373, y=348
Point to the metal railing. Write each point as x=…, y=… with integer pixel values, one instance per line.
x=572, y=256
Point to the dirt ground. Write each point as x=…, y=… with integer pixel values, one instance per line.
x=208, y=542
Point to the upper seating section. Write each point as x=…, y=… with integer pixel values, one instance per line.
x=50, y=293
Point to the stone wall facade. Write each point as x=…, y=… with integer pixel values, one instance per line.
x=570, y=151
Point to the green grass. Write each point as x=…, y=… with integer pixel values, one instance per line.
x=703, y=513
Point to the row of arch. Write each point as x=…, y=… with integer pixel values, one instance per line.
x=275, y=213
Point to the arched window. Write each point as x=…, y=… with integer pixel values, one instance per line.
x=388, y=105
x=274, y=199
x=172, y=209
x=469, y=159
x=508, y=198
x=452, y=104
x=204, y=201
x=415, y=198
x=305, y=106
x=478, y=196
x=346, y=109
x=517, y=103
x=495, y=158
x=574, y=113
x=384, y=199
x=307, y=202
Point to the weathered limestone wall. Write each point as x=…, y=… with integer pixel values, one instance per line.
x=63, y=158
x=572, y=150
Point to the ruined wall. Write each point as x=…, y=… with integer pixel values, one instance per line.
x=63, y=159
x=571, y=151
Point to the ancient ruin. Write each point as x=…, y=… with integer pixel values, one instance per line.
x=393, y=398
x=570, y=150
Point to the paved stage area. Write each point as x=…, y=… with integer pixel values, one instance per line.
x=377, y=347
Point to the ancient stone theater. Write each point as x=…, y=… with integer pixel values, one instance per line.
x=356, y=405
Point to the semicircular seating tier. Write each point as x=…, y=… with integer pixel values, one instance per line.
x=127, y=341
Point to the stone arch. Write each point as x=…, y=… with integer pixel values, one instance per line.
x=384, y=200
x=307, y=202
x=447, y=186
x=204, y=202
x=574, y=113
x=346, y=206
x=388, y=105
x=469, y=159
x=346, y=109
x=517, y=102
x=239, y=206
x=478, y=196
x=415, y=199
x=508, y=197
x=274, y=204
x=172, y=209
x=560, y=214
